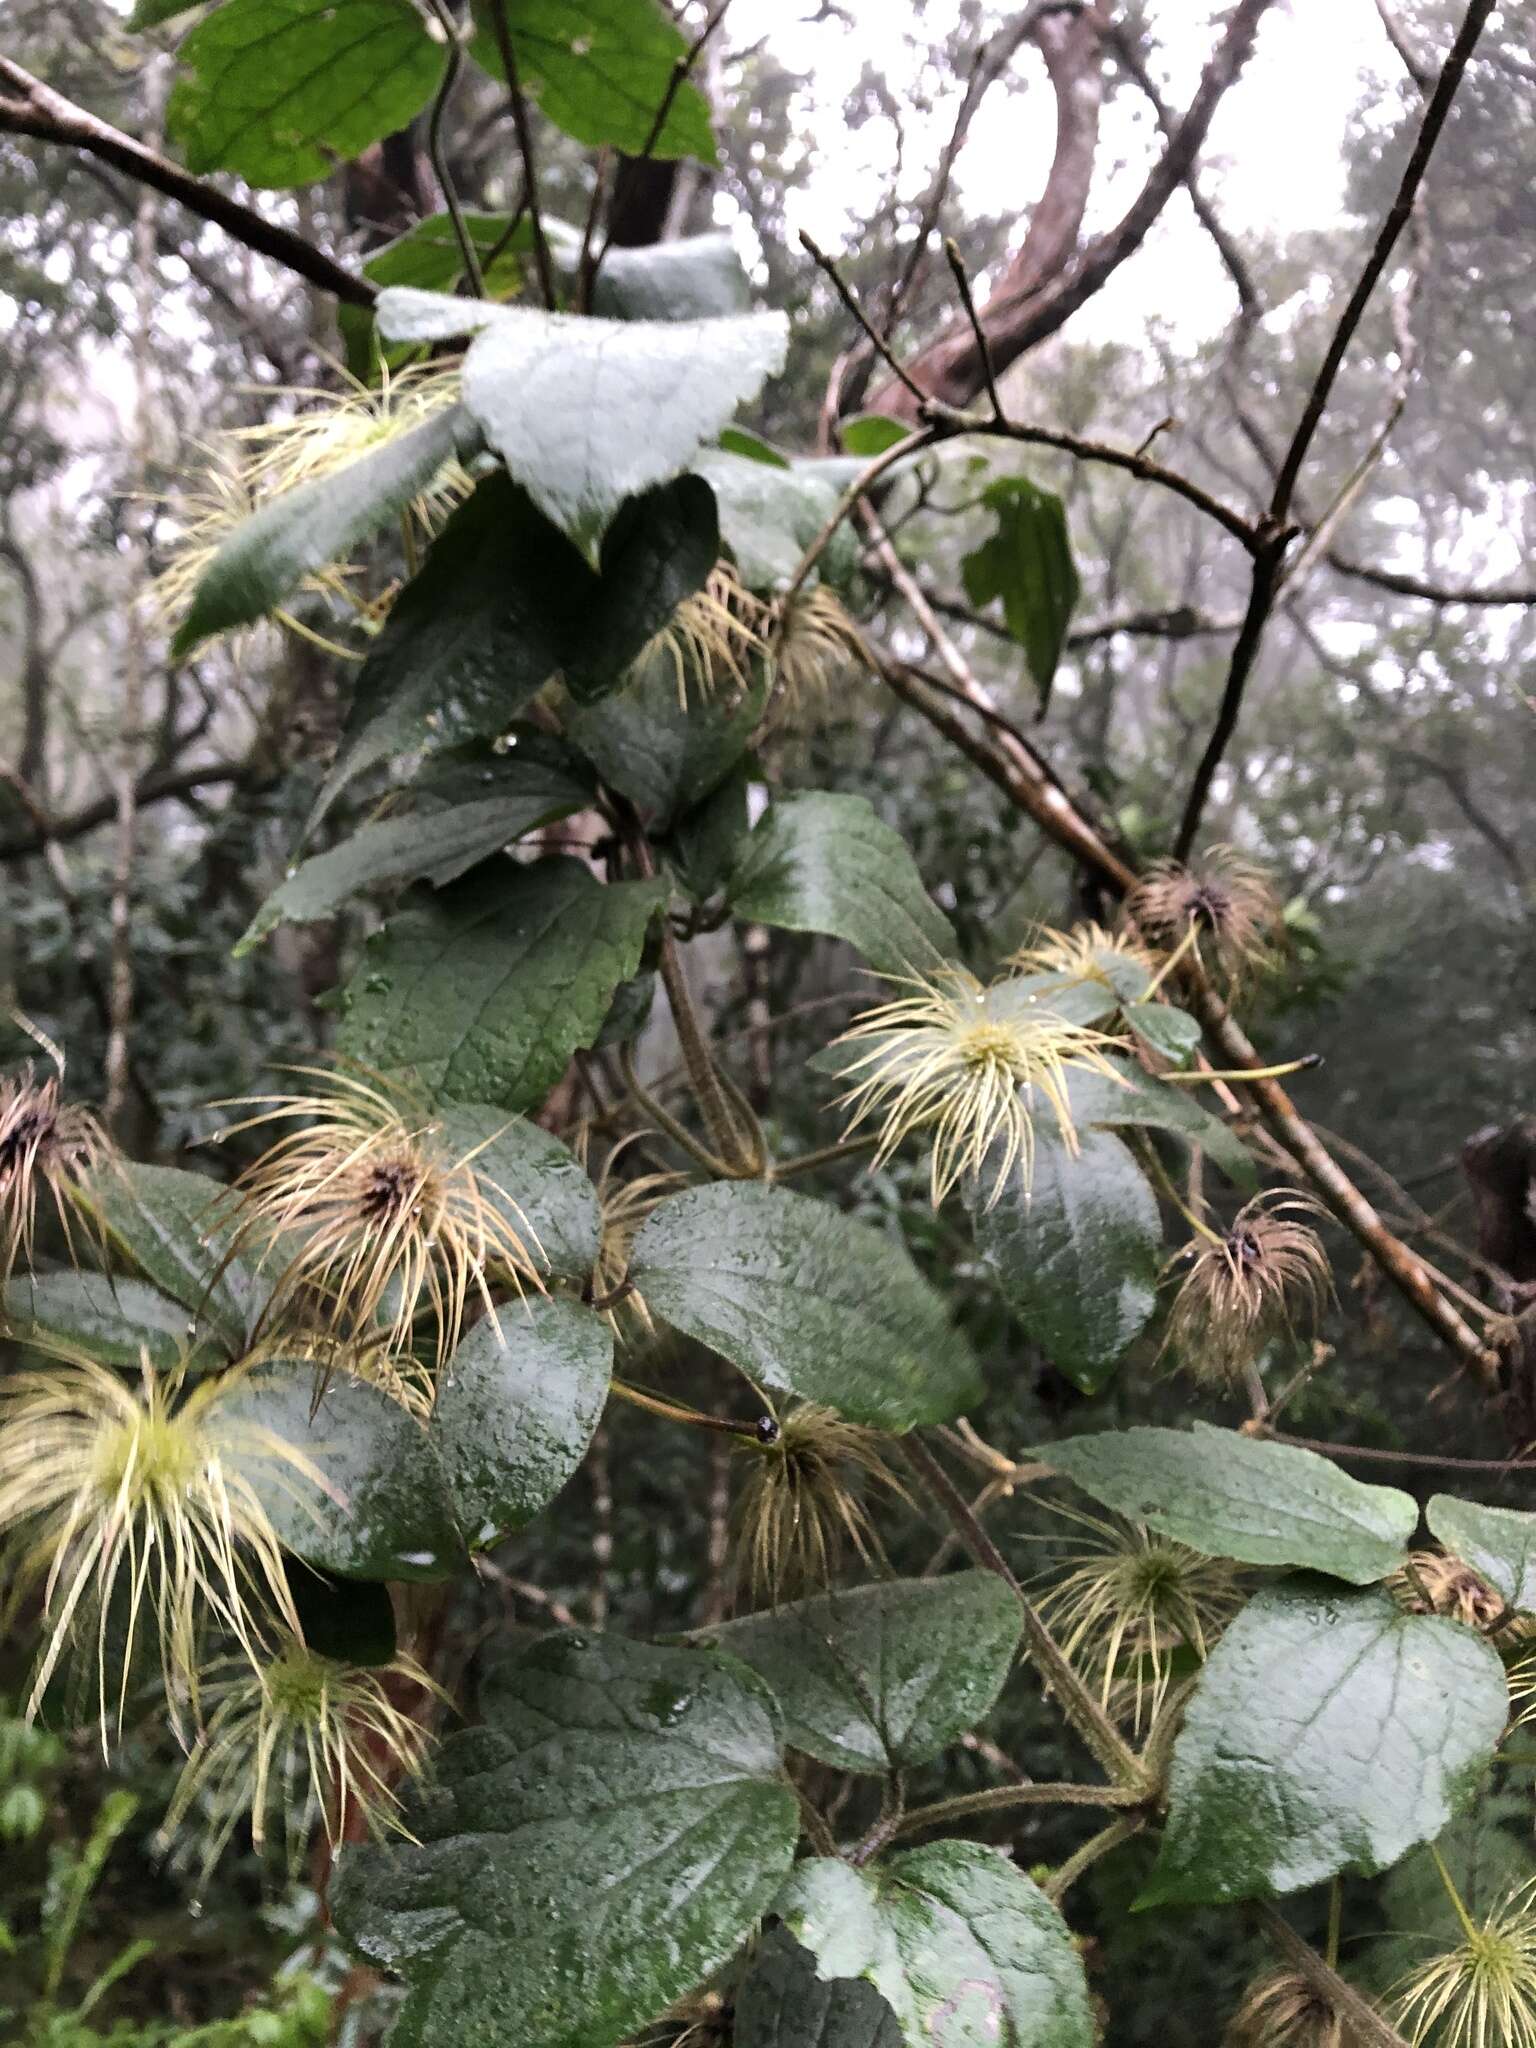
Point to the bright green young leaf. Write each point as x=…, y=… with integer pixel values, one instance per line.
x=279, y=91
x=320, y=522
x=551, y=1200
x=869, y=434
x=961, y=1945
x=879, y=1678
x=600, y=1847
x=1498, y=1543
x=1168, y=1030
x=516, y=1411
x=742, y=441
x=1076, y=1253
x=482, y=992
x=770, y=512
x=427, y=257
x=1330, y=1732
x=117, y=1321
x=175, y=1227
x=1137, y=1100
x=537, y=382
x=150, y=13
x=436, y=847
x=602, y=71
x=662, y=752
x=805, y=1300
x=782, y=2003
x=1230, y=1495
x=1027, y=562
x=825, y=863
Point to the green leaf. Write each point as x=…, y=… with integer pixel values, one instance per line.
x=502, y=603
x=1235, y=1496
x=771, y=511
x=1027, y=563
x=804, y=1300
x=383, y=1511
x=1076, y=1253
x=436, y=847
x=706, y=841
x=1498, y=1543
x=869, y=434
x=427, y=258
x=782, y=2003
x=825, y=863
x=278, y=90
x=696, y=277
x=1330, y=1732
x=599, y=1848
x=549, y=1190
x=112, y=1320
x=174, y=1228
x=601, y=71
x=742, y=441
x=516, y=1410
x=879, y=1678
x=270, y=553
x=665, y=754
x=588, y=412
x=1169, y=1031
x=482, y=992
x=962, y=1946
x=1137, y=1100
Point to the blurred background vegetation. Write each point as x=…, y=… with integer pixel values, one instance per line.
x=1384, y=774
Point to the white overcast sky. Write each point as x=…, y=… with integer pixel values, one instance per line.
x=1273, y=161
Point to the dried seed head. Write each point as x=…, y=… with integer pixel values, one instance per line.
x=623, y=1206
x=1124, y=1601
x=802, y=1505
x=297, y=1741
x=1266, y=1276
x=971, y=1065
x=1082, y=954
x=1284, y=2010
x=48, y=1147
x=812, y=645
x=1224, y=899
x=154, y=1493
x=711, y=641
x=1482, y=1992
x=375, y=1220
x=1432, y=1582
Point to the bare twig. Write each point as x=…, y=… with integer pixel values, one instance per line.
x=956, y=264
x=451, y=69
x=523, y=129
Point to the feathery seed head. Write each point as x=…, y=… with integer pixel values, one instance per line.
x=1433, y=1582
x=1080, y=954
x=1224, y=899
x=152, y=1493
x=971, y=1065
x=47, y=1147
x=375, y=1219
x=623, y=1205
x=811, y=641
x=1482, y=1992
x=712, y=639
x=1243, y=1290
x=1128, y=1600
x=802, y=1503
x=1284, y=2010
x=296, y=1741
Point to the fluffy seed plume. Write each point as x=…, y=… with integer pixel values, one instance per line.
x=1432, y=1582
x=374, y=1219
x=150, y=1494
x=1284, y=2010
x=1086, y=953
x=48, y=1148
x=296, y=1742
x=1223, y=904
x=1482, y=1992
x=811, y=642
x=1269, y=1273
x=712, y=639
x=802, y=1505
x=1124, y=1600
x=972, y=1066
x=623, y=1205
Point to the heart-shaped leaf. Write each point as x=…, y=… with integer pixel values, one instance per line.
x=597, y=1850
x=877, y=1678
x=1330, y=1732
x=804, y=1300
x=1230, y=1495
x=825, y=863
x=957, y=1940
x=482, y=992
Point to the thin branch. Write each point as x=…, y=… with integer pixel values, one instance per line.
x=1371, y=1454
x=1404, y=585
x=1082, y=1860
x=46, y=116
x=523, y=129
x=956, y=264
x=1364, y=2023
x=872, y=334
x=1004, y=1798
x=451, y=69
x=155, y=787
